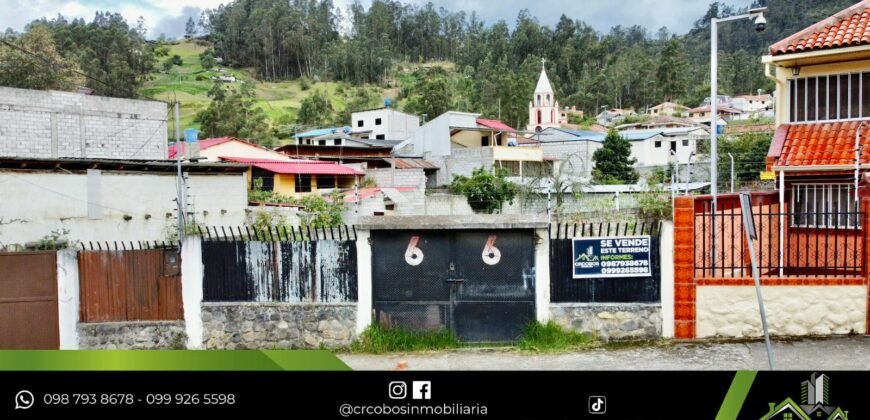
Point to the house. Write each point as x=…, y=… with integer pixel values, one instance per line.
x=307, y=137
x=459, y=142
x=755, y=103
x=343, y=149
x=668, y=109
x=703, y=113
x=570, y=112
x=544, y=109
x=663, y=147
x=660, y=122
x=815, y=403
x=383, y=124
x=613, y=116
x=211, y=150
x=721, y=100
x=297, y=178
x=115, y=200
x=821, y=148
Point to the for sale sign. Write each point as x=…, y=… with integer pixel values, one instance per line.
x=623, y=256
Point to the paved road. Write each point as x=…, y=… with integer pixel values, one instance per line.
x=844, y=353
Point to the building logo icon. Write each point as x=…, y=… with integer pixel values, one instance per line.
x=815, y=403
x=588, y=256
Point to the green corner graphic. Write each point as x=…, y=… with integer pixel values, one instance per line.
x=736, y=395
x=169, y=360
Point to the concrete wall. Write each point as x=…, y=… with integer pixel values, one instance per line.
x=462, y=161
x=51, y=124
x=444, y=204
x=138, y=335
x=387, y=177
x=395, y=125
x=732, y=311
x=240, y=149
x=610, y=321
x=48, y=201
x=68, y=298
x=277, y=325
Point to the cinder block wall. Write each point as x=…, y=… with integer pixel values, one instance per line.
x=52, y=124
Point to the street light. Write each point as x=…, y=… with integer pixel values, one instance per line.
x=757, y=15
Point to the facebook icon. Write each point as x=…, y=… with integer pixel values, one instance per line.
x=422, y=390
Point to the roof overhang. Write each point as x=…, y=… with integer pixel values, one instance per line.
x=814, y=57
x=83, y=164
x=818, y=168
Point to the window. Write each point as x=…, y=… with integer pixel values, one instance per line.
x=377, y=121
x=539, y=100
x=321, y=142
x=380, y=137
x=484, y=140
x=829, y=98
x=789, y=415
x=303, y=183
x=658, y=144
x=266, y=177
x=685, y=143
x=359, y=123
x=326, y=181
x=824, y=206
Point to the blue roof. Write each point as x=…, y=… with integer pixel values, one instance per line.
x=318, y=132
x=584, y=134
x=636, y=135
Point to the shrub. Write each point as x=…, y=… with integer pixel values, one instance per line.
x=378, y=340
x=551, y=336
x=485, y=191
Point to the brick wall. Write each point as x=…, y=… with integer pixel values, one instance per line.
x=684, y=267
x=47, y=124
x=391, y=178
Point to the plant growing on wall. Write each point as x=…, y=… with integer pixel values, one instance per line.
x=655, y=203
x=485, y=191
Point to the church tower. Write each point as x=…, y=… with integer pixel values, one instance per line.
x=544, y=108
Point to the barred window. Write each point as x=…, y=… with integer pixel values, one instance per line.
x=825, y=206
x=829, y=97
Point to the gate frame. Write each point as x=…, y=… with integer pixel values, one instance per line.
x=537, y=223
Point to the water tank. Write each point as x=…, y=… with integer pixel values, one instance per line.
x=388, y=102
x=191, y=135
x=346, y=129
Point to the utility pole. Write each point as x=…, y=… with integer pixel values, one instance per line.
x=179, y=181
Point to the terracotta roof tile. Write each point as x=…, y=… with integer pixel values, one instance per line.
x=818, y=144
x=847, y=28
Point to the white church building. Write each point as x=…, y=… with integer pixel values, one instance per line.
x=544, y=108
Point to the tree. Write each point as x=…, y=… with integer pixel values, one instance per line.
x=190, y=28
x=485, y=191
x=672, y=70
x=41, y=67
x=207, y=60
x=430, y=94
x=613, y=161
x=233, y=113
x=315, y=111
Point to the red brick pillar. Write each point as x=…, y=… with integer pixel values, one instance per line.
x=684, y=267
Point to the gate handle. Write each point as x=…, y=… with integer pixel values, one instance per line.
x=456, y=280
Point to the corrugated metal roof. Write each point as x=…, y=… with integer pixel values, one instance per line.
x=411, y=163
x=318, y=132
x=494, y=124
x=297, y=166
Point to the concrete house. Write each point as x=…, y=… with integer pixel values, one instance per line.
x=669, y=109
x=459, y=142
x=383, y=124
x=211, y=150
x=298, y=178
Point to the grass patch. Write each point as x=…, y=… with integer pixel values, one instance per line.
x=378, y=340
x=552, y=337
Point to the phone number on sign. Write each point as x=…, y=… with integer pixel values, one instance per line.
x=131, y=399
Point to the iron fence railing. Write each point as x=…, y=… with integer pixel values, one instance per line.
x=786, y=244
x=277, y=233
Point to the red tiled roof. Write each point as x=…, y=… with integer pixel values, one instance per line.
x=365, y=193
x=205, y=144
x=311, y=167
x=494, y=124
x=817, y=144
x=847, y=28
x=719, y=109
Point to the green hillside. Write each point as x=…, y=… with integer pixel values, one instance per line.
x=190, y=83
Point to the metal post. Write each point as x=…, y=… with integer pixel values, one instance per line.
x=857, y=163
x=714, y=120
x=673, y=185
x=730, y=156
x=179, y=182
x=781, y=220
x=749, y=225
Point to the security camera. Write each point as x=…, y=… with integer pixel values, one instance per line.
x=760, y=23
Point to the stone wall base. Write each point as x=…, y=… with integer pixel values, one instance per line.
x=611, y=321
x=277, y=325
x=134, y=335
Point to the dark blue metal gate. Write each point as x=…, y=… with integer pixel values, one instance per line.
x=478, y=284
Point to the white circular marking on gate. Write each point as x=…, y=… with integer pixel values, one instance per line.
x=413, y=255
x=491, y=254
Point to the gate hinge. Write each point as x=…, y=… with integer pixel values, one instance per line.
x=371, y=242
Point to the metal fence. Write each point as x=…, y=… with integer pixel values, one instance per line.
x=243, y=264
x=787, y=244
x=565, y=288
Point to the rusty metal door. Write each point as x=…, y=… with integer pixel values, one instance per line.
x=478, y=284
x=137, y=285
x=28, y=301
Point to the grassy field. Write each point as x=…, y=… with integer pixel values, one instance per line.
x=277, y=99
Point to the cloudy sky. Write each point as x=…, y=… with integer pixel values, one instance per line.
x=169, y=16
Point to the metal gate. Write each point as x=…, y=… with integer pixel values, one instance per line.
x=28, y=301
x=478, y=284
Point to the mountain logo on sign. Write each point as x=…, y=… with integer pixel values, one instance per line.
x=587, y=256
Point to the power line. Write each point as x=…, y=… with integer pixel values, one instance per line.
x=162, y=124
x=70, y=196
